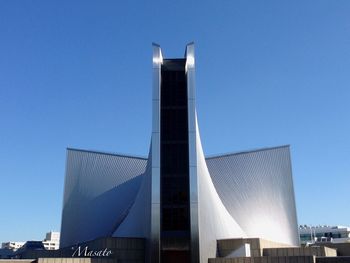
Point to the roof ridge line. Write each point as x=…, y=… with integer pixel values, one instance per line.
x=245, y=152
x=107, y=153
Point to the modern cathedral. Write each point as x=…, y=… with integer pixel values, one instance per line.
x=179, y=202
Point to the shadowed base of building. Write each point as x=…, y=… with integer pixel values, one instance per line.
x=240, y=250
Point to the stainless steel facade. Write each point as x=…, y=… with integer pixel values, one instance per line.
x=99, y=190
x=256, y=187
x=192, y=131
x=246, y=194
x=155, y=157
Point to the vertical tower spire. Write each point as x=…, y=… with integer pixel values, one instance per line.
x=154, y=240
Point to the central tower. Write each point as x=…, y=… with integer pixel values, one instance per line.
x=174, y=170
x=174, y=230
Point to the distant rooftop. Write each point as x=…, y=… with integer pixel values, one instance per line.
x=322, y=226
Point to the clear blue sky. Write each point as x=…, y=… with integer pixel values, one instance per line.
x=78, y=74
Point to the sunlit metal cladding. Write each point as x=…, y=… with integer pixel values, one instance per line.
x=99, y=189
x=155, y=161
x=252, y=172
x=190, y=72
x=257, y=189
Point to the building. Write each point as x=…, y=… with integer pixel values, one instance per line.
x=177, y=199
x=6, y=253
x=52, y=240
x=324, y=234
x=13, y=245
x=9, y=248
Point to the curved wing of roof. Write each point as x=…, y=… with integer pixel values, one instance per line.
x=138, y=221
x=214, y=220
x=99, y=190
x=257, y=189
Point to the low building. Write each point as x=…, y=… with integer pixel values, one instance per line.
x=6, y=253
x=52, y=241
x=13, y=245
x=9, y=248
x=324, y=234
x=240, y=250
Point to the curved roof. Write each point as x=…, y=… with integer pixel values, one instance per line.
x=256, y=187
x=99, y=190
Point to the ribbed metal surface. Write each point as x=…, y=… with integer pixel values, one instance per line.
x=214, y=221
x=257, y=189
x=99, y=190
x=138, y=221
